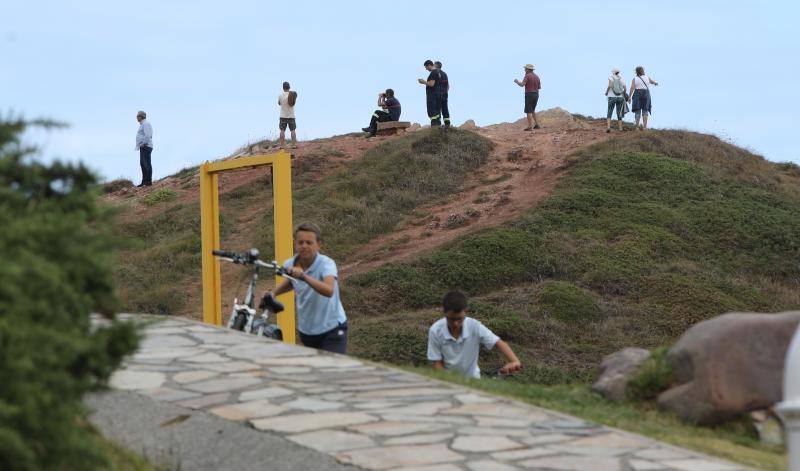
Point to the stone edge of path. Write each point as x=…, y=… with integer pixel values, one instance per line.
x=151, y=320
x=175, y=437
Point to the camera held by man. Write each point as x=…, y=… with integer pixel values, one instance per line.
x=390, y=111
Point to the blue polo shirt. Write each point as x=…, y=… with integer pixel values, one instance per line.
x=317, y=314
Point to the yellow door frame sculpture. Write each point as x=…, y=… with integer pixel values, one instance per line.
x=209, y=228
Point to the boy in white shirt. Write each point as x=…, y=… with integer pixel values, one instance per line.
x=455, y=340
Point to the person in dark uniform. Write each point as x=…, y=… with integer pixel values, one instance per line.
x=390, y=112
x=430, y=94
x=441, y=88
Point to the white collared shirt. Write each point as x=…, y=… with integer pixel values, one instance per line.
x=460, y=354
x=144, y=136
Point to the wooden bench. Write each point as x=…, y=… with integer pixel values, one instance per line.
x=392, y=127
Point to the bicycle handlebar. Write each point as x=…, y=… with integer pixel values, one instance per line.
x=251, y=258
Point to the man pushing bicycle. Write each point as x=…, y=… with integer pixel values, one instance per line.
x=321, y=320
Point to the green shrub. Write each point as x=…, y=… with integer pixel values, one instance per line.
x=655, y=376
x=566, y=302
x=509, y=325
x=160, y=195
x=398, y=339
x=56, y=270
x=115, y=185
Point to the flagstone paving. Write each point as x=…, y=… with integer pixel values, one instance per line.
x=375, y=417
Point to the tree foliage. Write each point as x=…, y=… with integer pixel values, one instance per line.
x=56, y=245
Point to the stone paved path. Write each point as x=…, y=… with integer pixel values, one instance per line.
x=375, y=417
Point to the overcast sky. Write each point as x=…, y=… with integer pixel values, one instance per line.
x=208, y=73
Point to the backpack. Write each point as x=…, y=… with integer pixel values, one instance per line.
x=292, y=98
x=617, y=87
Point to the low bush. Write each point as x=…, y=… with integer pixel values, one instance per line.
x=160, y=195
x=566, y=302
x=115, y=185
x=655, y=376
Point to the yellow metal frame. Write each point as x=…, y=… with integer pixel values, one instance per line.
x=209, y=228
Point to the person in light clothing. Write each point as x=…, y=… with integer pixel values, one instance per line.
x=286, y=101
x=144, y=144
x=640, y=95
x=616, y=93
x=321, y=320
x=455, y=340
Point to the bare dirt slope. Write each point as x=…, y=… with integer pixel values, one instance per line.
x=522, y=169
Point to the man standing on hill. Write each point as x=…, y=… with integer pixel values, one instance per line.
x=144, y=144
x=430, y=93
x=532, y=85
x=442, y=88
x=454, y=341
x=390, y=112
x=286, y=101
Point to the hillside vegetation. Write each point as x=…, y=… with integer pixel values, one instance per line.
x=647, y=234
x=366, y=198
x=644, y=235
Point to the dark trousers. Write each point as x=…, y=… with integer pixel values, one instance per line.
x=334, y=340
x=432, y=103
x=379, y=116
x=144, y=162
x=441, y=99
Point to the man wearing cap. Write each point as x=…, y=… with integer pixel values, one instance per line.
x=144, y=144
x=532, y=85
x=390, y=112
x=430, y=93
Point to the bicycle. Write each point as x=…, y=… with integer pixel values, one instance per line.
x=243, y=316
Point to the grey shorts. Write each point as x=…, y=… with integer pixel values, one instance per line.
x=531, y=99
x=287, y=122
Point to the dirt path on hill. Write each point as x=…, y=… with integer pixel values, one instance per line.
x=522, y=169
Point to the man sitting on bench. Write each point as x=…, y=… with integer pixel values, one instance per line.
x=390, y=112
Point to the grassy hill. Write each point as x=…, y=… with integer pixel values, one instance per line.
x=367, y=197
x=648, y=234
x=644, y=235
